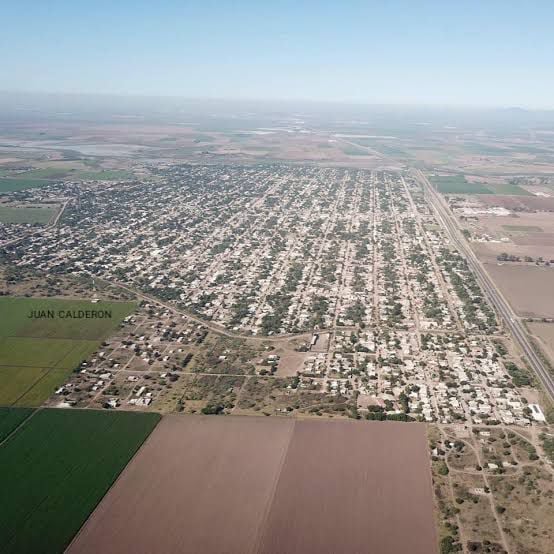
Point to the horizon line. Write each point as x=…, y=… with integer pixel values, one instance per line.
x=344, y=102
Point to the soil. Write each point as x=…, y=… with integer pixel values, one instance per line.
x=245, y=484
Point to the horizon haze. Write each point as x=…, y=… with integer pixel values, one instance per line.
x=475, y=54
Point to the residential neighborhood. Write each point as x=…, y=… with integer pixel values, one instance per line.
x=343, y=278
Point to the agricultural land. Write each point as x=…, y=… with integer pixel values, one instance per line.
x=272, y=486
x=57, y=465
x=343, y=321
x=39, y=353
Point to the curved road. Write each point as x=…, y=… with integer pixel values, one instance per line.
x=216, y=328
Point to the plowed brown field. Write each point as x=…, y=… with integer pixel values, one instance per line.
x=527, y=288
x=244, y=484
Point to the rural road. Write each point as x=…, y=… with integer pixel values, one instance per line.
x=206, y=323
x=499, y=302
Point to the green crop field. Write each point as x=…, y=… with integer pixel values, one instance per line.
x=11, y=184
x=11, y=418
x=55, y=173
x=391, y=150
x=26, y=215
x=17, y=323
x=49, y=353
x=104, y=175
x=37, y=355
x=56, y=467
x=19, y=385
x=457, y=184
x=49, y=175
x=521, y=148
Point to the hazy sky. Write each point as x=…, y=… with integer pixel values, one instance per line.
x=483, y=52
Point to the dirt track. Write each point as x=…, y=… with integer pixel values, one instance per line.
x=245, y=484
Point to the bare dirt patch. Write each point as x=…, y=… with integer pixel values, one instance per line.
x=345, y=487
x=527, y=288
x=519, y=202
x=545, y=334
x=201, y=484
x=291, y=363
x=519, y=234
x=488, y=251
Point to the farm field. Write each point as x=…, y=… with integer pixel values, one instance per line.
x=11, y=181
x=509, y=189
x=372, y=500
x=11, y=418
x=458, y=184
x=545, y=333
x=351, y=150
x=26, y=215
x=57, y=467
x=518, y=202
x=17, y=323
x=527, y=234
x=37, y=355
x=488, y=251
x=245, y=484
x=104, y=175
x=523, y=228
x=527, y=288
x=484, y=149
x=11, y=184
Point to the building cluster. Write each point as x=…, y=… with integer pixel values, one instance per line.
x=269, y=250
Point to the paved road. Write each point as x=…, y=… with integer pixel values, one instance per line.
x=498, y=301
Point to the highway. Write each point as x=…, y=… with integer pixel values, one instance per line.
x=498, y=301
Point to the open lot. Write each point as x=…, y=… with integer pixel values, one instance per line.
x=527, y=288
x=489, y=251
x=519, y=202
x=545, y=333
x=56, y=468
x=519, y=234
x=37, y=354
x=239, y=484
x=493, y=492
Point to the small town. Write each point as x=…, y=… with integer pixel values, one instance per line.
x=342, y=283
x=277, y=277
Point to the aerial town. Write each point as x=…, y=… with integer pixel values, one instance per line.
x=339, y=286
x=277, y=278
